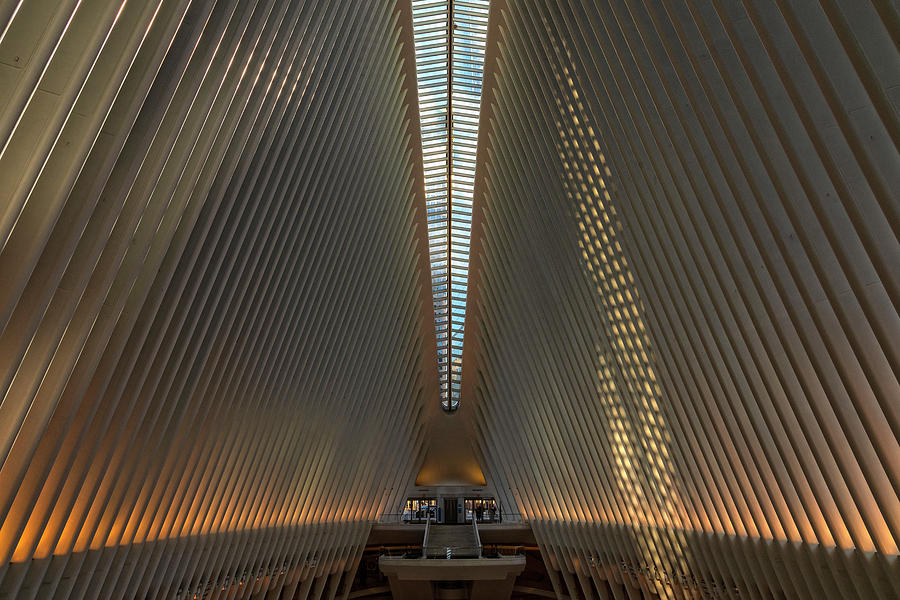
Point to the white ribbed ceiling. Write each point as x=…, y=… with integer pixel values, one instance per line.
x=682, y=342
x=230, y=228
x=216, y=344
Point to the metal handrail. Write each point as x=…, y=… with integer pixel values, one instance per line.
x=477, y=536
x=407, y=551
x=497, y=550
x=513, y=518
x=390, y=518
x=427, y=531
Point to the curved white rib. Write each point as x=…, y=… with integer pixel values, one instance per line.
x=213, y=294
x=681, y=341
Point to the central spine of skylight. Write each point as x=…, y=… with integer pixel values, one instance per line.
x=450, y=39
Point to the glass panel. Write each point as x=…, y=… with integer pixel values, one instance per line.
x=449, y=38
x=418, y=509
x=484, y=510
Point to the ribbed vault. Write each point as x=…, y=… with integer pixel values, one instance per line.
x=681, y=344
x=217, y=352
x=217, y=332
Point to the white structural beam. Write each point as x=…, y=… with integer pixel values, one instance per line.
x=216, y=349
x=217, y=334
x=681, y=342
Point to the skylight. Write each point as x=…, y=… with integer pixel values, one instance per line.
x=450, y=39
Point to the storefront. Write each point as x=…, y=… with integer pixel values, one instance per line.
x=483, y=510
x=417, y=510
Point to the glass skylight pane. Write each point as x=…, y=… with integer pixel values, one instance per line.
x=449, y=38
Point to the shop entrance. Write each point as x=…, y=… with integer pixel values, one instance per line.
x=418, y=510
x=483, y=510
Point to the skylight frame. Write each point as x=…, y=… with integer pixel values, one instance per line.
x=450, y=37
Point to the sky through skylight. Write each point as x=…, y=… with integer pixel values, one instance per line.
x=450, y=39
